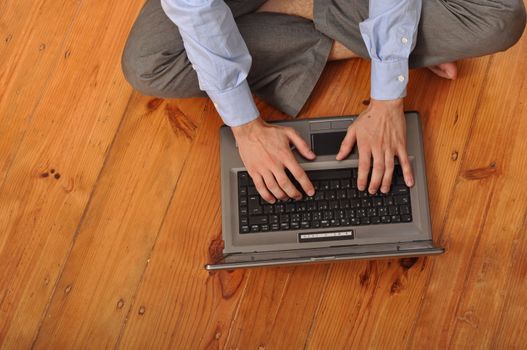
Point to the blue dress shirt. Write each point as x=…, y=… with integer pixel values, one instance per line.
x=220, y=57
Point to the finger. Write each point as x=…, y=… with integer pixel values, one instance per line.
x=285, y=184
x=262, y=189
x=364, y=167
x=300, y=144
x=406, y=166
x=347, y=144
x=301, y=177
x=388, y=171
x=273, y=187
x=377, y=172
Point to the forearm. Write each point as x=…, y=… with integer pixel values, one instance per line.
x=218, y=53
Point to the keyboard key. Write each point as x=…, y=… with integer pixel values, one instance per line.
x=400, y=190
x=365, y=221
x=244, y=229
x=366, y=202
x=327, y=215
x=371, y=212
x=406, y=218
x=324, y=223
x=395, y=218
x=315, y=224
x=243, y=178
x=290, y=207
x=402, y=200
x=279, y=208
x=243, y=210
x=334, y=222
x=251, y=191
x=375, y=220
x=268, y=209
x=255, y=228
x=385, y=219
x=254, y=206
x=404, y=209
x=243, y=191
x=284, y=218
x=334, y=184
x=322, y=205
x=377, y=201
x=273, y=219
x=305, y=224
x=264, y=228
x=295, y=225
x=284, y=226
x=244, y=220
x=393, y=210
x=275, y=227
x=258, y=219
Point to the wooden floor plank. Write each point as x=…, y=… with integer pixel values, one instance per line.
x=33, y=48
x=70, y=133
x=481, y=304
x=117, y=234
x=178, y=303
x=486, y=157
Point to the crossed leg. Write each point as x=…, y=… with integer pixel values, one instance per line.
x=304, y=8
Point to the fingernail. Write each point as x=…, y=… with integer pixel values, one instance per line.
x=310, y=193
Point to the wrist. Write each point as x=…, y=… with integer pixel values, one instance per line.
x=247, y=128
x=396, y=103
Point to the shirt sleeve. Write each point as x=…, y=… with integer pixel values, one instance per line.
x=390, y=33
x=218, y=53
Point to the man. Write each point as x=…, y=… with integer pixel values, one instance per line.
x=278, y=50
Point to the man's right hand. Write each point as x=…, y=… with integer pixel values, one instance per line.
x=265, y=151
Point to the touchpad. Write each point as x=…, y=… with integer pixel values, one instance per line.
x=327, y=142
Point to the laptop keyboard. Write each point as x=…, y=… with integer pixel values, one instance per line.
x=337, y=202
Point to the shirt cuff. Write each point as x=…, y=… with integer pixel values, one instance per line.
x=235, y=106
x=388, y=79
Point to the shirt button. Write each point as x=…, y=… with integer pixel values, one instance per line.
x=400, y=78
x=404, y=40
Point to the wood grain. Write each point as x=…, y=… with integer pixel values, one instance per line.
x=110, y=207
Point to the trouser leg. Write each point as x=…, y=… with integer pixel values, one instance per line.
x=448, y=30
x=288, y=54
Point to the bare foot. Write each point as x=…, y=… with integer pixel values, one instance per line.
x=445, y=70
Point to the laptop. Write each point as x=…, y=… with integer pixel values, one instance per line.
x=339, y=222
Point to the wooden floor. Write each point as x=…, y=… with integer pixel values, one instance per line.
x=110, y=207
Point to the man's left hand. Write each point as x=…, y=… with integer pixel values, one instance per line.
x=379, y=131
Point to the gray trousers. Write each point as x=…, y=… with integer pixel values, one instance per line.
x=290, y=52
